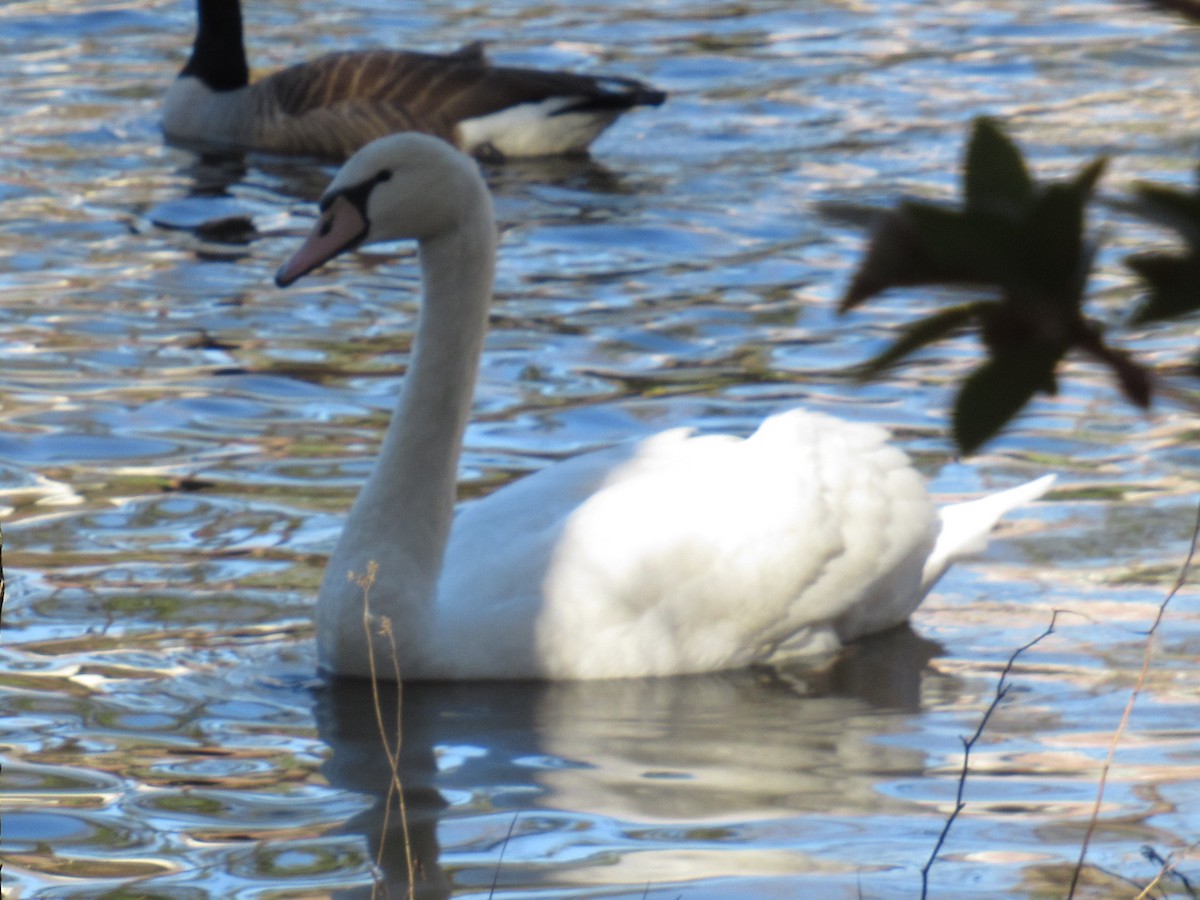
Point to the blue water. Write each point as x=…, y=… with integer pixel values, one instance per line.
x=179, y=441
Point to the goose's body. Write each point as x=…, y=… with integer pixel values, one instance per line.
x=674, y=554
x=333, y=105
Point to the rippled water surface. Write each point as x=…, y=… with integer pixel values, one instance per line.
x=179, y=440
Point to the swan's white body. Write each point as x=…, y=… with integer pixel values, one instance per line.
x=674, y=554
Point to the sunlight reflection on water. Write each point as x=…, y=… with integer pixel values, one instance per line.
x=180, y=441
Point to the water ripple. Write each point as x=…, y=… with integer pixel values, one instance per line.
x=180, y=441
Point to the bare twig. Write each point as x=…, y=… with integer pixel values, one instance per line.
x=395, y=788
x=1002, y=687
x=503, y=847
x=1168, y=868
x=1147, y=656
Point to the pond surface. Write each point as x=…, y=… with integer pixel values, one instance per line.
x=179, y=441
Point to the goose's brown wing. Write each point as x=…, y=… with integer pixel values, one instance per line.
x=367, y=94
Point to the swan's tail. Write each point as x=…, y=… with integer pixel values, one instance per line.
x=966, y=526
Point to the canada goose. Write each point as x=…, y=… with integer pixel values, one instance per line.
x=331, y=106
x=679, y=553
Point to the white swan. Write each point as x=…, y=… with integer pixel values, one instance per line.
x=333, y=105
x=674, y=554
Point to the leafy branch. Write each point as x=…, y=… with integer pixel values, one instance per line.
x=1024, y=245
x=1172, y=279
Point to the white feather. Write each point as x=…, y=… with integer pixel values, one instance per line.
x=535, y=129
x=195, y=114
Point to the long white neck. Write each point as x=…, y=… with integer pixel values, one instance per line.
x=401, y=519
x=417, y=472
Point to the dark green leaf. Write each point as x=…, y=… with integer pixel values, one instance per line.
x=923, y=332
x=1053, y=245
x=1089, y=176
x=997, y=390
x=1170, y=208
x=896, y=257
x=973, y=247
x=1173, y=282
x=1132, y=377
x=996, y=179
x=854, y=215
x=1057, y=257
x=887, y=262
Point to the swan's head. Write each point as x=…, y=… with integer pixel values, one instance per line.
x=404, y=186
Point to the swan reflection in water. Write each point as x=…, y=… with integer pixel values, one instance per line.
x=572, y=782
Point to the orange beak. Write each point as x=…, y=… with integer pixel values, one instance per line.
x=342, y=227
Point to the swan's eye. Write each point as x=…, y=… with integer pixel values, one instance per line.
x=384, y=175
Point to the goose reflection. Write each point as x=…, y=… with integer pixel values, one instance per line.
x=590, y=769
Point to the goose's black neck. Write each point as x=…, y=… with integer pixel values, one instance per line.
x=218, y=57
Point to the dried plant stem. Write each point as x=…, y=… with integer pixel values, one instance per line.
x=500, y=861
x=1002, y=687
x=395, y=788
x=1147, y=657
x=1169, y=866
